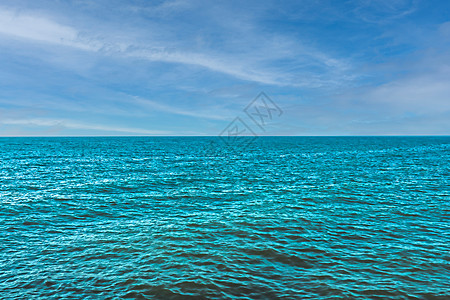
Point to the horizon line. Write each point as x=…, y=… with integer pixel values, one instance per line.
x=153, y=136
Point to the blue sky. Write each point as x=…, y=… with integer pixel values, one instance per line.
x=190, y=67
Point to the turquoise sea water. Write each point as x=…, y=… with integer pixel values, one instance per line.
x=189, y=218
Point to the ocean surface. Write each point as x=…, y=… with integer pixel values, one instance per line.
x=195, y=218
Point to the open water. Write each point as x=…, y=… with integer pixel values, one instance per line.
x=191, y=218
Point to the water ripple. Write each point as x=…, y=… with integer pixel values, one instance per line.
x=188, y=218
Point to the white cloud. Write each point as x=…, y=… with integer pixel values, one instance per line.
x=210, y=114
x=225, y=66
x=383, y=11
x=40, y=29
x=254, y=64
x=421, y=95
x=63, y=123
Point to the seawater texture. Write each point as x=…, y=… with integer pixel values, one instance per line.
x=188, y=218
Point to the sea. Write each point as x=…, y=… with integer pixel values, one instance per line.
x=206, y=218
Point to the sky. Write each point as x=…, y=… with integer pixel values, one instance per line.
x=193, y=67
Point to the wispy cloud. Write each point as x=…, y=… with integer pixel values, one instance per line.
x=257, y=65
x=21, y=25
x=61, y=124
x=335, y=67
x=384, y=11
x=198, y=113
